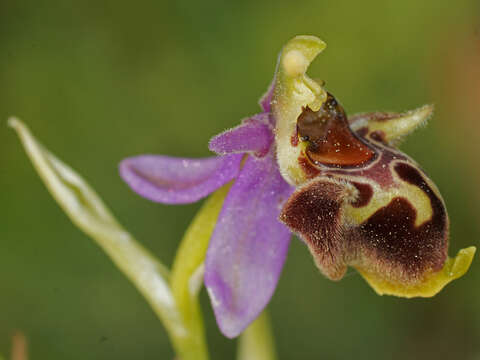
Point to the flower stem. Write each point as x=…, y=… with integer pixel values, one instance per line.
x=257, y=342
x=187, y=275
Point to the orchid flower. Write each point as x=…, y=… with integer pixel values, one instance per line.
x=300, y=166
x=303, y=166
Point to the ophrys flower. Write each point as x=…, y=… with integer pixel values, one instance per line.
x=359, y=200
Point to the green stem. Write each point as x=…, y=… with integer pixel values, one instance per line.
x=187, y=275
x=257, y=343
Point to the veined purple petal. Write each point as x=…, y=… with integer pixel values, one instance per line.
x=172, y=180
x=248, y=246
x=253, y=135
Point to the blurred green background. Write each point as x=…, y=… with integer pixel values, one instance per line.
x=98, y=81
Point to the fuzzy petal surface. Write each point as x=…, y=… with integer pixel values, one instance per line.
x=171, y=180
x=253, y=135
x=248, y=247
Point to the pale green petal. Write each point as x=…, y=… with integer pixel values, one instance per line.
x=293, y=91
x=257, y=342
x=396, y=126
x=87, y=211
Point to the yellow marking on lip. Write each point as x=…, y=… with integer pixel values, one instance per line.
x=431, y=283
x=381, y=198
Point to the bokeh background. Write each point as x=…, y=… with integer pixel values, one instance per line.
x=98, y=81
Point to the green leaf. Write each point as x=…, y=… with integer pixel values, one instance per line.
x=256, y=342
x=87, y=211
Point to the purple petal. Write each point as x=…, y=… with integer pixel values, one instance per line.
x=248, y=247
x=254, y=135
x=177, y=180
